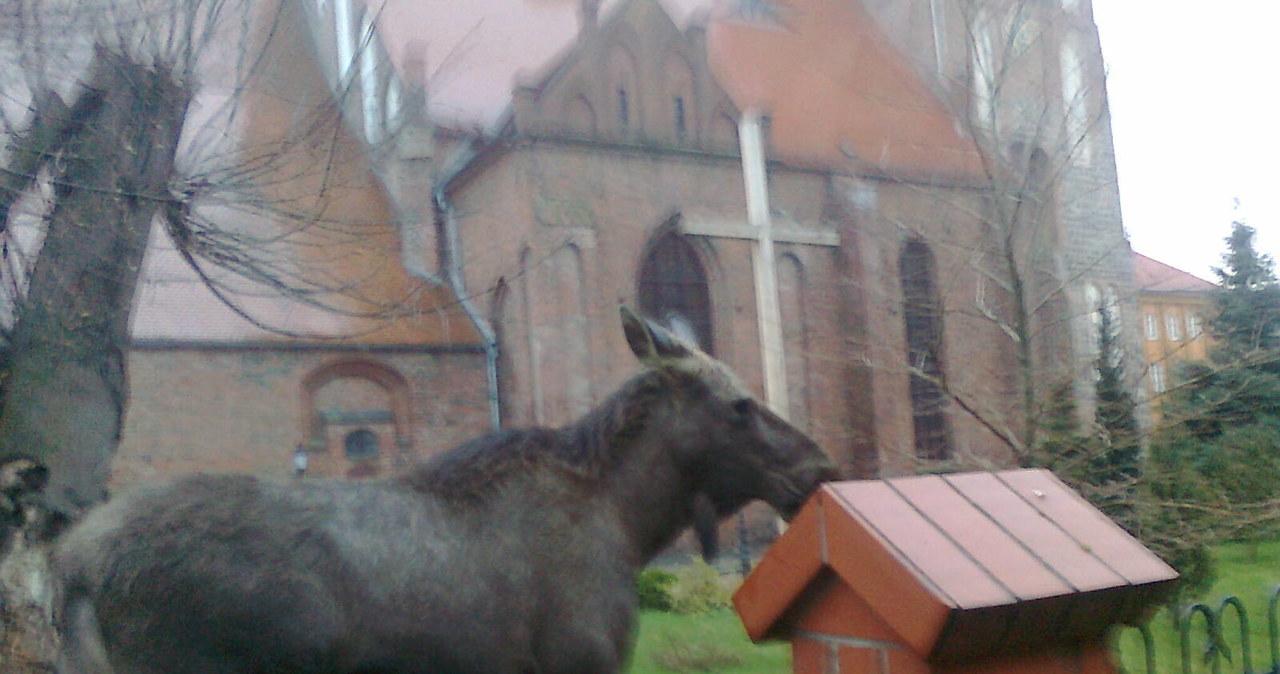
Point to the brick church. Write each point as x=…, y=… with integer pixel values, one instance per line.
x=516, y=169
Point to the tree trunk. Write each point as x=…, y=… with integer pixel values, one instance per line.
x=65, y=392
x=28, y=642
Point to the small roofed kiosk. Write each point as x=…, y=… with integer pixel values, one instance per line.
x=993, y=572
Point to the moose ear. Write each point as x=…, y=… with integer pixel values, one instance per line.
x=650, y=343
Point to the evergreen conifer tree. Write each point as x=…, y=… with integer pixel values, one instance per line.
x=1114, y=409
x=1240, y=385
x=1215, y=467
x=1248, y=304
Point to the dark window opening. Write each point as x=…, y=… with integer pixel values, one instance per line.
x=361, y=445
x=673, y=289
x=624, y=115
x=922, y=316
x=680, y=123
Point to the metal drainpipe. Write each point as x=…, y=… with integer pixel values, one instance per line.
x=454, y=271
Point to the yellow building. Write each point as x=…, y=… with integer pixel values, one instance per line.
x=1174, y=307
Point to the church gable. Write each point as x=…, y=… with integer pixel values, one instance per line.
x=836, y=88
x=633, y=78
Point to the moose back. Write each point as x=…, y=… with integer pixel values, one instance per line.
x=514, y=553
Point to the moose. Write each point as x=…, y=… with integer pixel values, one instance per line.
x=513, y=553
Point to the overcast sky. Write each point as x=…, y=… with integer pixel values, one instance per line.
x=1195, y=107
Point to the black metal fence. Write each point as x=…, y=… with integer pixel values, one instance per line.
x=1213, y=638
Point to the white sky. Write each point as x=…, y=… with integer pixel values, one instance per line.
x=1195, y=106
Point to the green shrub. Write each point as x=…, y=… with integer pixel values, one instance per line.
x=1199, y=492
x=699, y=589
x=680, y=653
x=714, y=641
x=653, y=587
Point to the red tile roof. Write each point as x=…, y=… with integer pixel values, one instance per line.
x=942, y=558
x=1155, y=276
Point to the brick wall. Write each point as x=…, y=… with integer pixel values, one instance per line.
x=242, y=409
x=578, y=218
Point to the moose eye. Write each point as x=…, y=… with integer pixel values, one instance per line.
x=742, y=408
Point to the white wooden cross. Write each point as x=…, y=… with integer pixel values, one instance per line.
x=762, y=233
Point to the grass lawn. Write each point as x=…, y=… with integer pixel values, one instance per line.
x=1249, y=571
x=715, y=642
x=712, y=642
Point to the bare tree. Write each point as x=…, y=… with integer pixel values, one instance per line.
x=120, y=116
x=1025, y=80
x=1045, y=250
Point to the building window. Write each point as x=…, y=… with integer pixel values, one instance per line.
x=1094, y=302
x=623, y=75
x=370, y=94
x=1173, y=327
x=1194, y=328
x=983, y=69
x=361, y=445
x=1153, y=328
x=362, y=451
x=794, y=313
x=679, y=110
x=392, y=112
x=1158, y=384
x=921, y=314
x=344, y=32
x=673, y=289
x=354, y=410
x=1075, y=102
x=757, y=11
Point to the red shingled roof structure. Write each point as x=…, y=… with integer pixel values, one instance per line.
x=955, y=568
x=1157, y=277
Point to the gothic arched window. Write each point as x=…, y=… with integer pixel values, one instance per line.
x=922, y=315
x=795, y=337
x=673, y=289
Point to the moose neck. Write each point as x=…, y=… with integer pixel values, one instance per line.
x=644, y=482
x=653, y=497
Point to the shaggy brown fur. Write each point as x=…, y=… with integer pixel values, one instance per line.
x=512, y=554
x=582, y=450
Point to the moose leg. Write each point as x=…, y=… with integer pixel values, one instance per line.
x=590, y=638
x=572, y=652
x=82, y=649
x=219, y=630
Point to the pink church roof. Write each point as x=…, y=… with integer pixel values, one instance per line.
x=172, y=306
x=829, y=77
x=836, y=88
x=477, y=52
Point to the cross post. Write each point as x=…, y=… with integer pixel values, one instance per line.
x=761, y=230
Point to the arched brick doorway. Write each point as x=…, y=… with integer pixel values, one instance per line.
x=356, y=418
